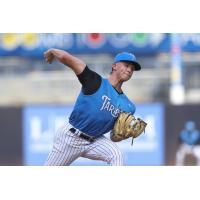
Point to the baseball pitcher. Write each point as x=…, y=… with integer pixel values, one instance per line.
x=101, y=107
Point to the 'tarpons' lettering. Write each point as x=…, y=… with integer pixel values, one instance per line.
x=109, y=107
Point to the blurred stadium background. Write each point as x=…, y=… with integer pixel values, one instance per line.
x=36, y=98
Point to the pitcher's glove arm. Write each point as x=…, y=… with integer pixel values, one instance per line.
x=127, y=126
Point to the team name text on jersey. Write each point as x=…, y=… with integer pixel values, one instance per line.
x=109, y=107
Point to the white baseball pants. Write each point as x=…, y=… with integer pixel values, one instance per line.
x=67, y=147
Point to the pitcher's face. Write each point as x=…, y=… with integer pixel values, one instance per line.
x=123, y=70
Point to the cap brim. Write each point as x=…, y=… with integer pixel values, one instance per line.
x=137, y=66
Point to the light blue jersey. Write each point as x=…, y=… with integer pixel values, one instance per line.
x=95, y=114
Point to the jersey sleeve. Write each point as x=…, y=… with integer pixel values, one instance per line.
x=90, y=81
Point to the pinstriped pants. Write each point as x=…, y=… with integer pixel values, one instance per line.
x=67, y=147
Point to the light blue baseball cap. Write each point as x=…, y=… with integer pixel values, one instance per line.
x=125, y=56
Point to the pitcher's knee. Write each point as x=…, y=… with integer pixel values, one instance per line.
x=117, y=159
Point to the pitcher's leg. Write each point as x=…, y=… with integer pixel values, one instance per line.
x=105, y=150
x=58, y=158
x=66, y=148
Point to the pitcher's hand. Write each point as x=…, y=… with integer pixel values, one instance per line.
x=49, y=56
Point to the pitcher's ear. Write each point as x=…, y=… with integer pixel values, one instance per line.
x=114, y=65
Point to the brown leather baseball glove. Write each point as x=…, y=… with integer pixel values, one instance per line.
x=127, y=126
